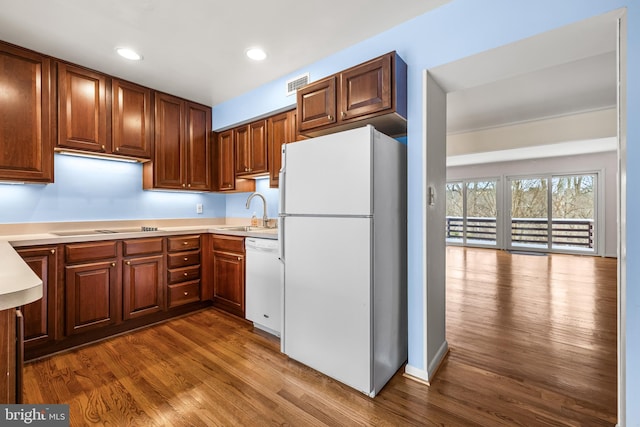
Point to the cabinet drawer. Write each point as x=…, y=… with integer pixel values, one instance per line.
x=183, y=259
x=142, y=246
x=82, y=252
x=183, y=243
x=184, y=293
x=228, y=243
x=184, y=274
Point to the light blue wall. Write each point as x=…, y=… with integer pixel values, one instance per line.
x=93, y=190
x=451, y=32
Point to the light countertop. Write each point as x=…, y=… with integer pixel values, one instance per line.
x=19, y=285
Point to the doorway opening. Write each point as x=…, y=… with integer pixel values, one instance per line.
x=542, y=193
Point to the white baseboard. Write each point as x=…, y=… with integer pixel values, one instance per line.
x=423, y=376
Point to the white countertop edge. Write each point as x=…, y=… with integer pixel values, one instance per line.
x=19, y=285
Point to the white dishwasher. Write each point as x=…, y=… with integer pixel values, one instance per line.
x=263, y=284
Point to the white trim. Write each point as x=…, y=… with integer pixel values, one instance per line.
x=622, y=215
x=420, y=374
x=425, y=186
x=570, y=148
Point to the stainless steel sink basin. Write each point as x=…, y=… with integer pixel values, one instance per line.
x=246, y=228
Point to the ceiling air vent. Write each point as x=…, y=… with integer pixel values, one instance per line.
x=296, y=82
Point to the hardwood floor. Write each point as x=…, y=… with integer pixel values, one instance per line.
x=533, y=342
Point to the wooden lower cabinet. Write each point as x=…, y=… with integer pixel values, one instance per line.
x=92, y=290
x=91, y=296
x=9, y=376
x=183, y=274
x=40, y=317
x=229, y=273
x=142, y=286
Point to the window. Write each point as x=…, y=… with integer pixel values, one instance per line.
x=472, y=212
x=554, y=212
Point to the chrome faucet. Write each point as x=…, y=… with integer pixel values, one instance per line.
x=265, y=219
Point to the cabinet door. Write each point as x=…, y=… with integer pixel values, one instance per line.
x=169, y=160
x=8, y=362
x=228, y=283
x=198, y=147
x=82, y=109
x=40, y=316
x=242, y=139
x=27, y=121
x=91, y=296
x=132, y=126
x=143, y=286
x=224, y=161
x=317, y=104
x=258, y=159
x=365, y=89
x=281, y=131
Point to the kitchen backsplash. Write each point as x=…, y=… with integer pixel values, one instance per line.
x=90, y=189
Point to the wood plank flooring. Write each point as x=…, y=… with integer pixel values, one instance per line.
x=532, y=338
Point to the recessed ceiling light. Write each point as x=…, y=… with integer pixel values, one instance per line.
x=131, y=54
x=256, y=53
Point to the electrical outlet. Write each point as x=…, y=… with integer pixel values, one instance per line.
x=199, y=208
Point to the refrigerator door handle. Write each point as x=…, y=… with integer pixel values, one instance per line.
x=282, y=177
x=281, y=238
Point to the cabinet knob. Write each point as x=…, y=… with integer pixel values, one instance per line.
x=128, y=262
x=53, y=251
x=239, y=258
x=113, y=264
x=185, y=243
x=228, y=185
x=189, y=185
x=186, y=293
x=118, y=148
x=330, y=117
x=246, y=169
x=186, y=259
x=344, y=115
x=184, y=185
x=186, y=274
x=103, y=147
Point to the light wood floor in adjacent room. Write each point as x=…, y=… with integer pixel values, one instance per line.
x=532, y=338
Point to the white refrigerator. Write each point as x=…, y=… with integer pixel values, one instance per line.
x=342, y=222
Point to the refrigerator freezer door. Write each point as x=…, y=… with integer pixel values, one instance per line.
x=327, y=297
x=329, y=175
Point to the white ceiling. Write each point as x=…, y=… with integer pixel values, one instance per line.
x=195, y=48
x=565, y=71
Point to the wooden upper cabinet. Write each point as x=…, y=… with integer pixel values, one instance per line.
x=317, y=104
x=198, y=147
x=83, y=112
x=224, y=161
x=282, y=130
x=242, y=149
x=365, y=89
x=182, y=148
x=374, y=92
x=251, y=149
x=132, y=119
x=27, y=118
x=259, y=150
x=169, y=159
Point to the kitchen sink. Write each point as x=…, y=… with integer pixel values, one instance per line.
x=246, y=228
